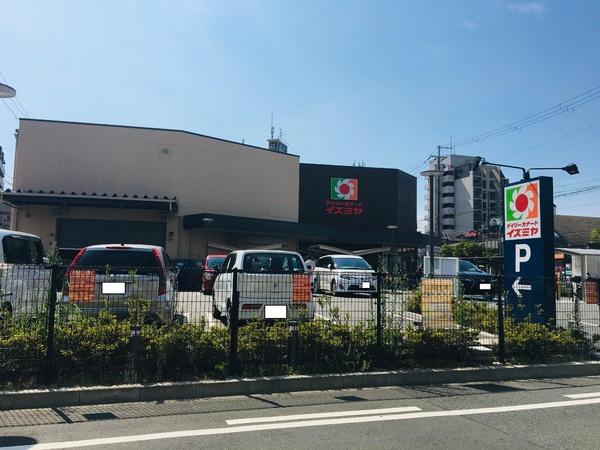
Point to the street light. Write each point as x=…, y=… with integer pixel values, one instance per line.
x=6, y=91
x=393, y=229
x=431, y=174
x=207, y=221
x=571, y=169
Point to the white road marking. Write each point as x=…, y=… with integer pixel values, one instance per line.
x=305, y=424
x=364, y=412
x=586, y=395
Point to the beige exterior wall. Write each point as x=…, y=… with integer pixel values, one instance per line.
x=205, y=174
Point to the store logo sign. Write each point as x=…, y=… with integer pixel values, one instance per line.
x=344, y=189
x=522, y=211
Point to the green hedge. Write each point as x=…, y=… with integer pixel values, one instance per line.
x=98, y=349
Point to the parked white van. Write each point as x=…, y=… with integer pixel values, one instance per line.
x=24, y=280
x=266, y=279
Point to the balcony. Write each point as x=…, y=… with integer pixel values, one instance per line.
x=447, y=210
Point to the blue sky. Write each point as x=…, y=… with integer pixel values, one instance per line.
x=382, y=82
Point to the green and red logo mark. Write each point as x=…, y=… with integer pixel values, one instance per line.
x=344, y=189
x=522, y=211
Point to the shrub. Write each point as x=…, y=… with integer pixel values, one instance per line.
x=326, y=346
x=438, y=347
x=475, y=315
x=262, y=347
x=536, y=342
x=413, y=301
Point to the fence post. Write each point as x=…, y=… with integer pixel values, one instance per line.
x=233, y=326
x=293, y=342
x=501, y=343
x=379, y=343
x=49, y=369
x=135, y=341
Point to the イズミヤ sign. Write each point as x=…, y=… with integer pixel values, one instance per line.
x=522, y=211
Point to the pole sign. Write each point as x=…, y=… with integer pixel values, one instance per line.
x=529, y=249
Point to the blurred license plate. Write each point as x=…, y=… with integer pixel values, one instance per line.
x=275, y=312
x=113, y=288
x=366, y=285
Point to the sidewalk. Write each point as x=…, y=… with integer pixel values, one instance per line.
x=44, y=398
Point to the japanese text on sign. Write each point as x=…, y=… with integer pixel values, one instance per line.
x=343, y=208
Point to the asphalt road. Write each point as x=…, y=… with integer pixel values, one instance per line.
x=561, y=413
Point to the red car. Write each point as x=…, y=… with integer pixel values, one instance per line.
x=210, y=270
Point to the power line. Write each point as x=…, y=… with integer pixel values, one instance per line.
x=578, y=191
x=581, y=130
x=566, y=106
x=589, y=180
x=9, y=108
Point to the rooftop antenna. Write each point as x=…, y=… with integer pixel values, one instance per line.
x=272, y=128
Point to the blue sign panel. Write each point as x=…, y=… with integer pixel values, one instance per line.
x=529, y=250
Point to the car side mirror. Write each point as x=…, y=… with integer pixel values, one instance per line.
x=330, y=266
x=46, y=260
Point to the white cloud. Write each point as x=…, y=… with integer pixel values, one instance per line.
x=527, y=8
x=469, y=25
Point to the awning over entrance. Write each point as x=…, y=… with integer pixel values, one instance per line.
x=94, y=200
x=237, y=224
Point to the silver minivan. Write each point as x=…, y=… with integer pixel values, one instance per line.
x=121, y=278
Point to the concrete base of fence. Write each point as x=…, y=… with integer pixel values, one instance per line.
x=45, y=398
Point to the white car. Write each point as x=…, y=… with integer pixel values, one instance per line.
x=24, y=279
x=271, y=284
x=340, y=274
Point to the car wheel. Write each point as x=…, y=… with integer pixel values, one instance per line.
x=179, y=319
x=215, y=312
x=333, y=287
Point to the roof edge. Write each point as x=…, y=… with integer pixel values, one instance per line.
x=172, y=130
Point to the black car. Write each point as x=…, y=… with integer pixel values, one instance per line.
x=472, y=277
x=189, y=274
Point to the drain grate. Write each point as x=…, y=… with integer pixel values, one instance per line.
x=351, y=398
x=494, y=388
x=99, y=416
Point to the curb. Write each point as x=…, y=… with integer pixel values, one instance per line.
x=48, y=398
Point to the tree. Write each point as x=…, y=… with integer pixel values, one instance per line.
x=595, y=235
x=464, y=249
x=468, y=249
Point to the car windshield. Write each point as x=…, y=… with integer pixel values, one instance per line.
x=142, y=261
x=272, y=263
x=466, y=266
x=212, y=262
x=351, y=263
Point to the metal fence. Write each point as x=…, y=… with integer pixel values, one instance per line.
x=106, y=324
